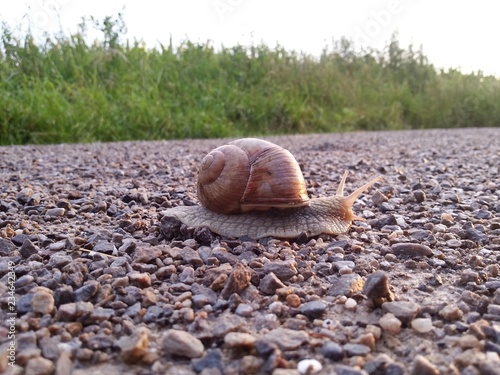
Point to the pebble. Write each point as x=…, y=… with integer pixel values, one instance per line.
x=211, y=361
x=313, y=309
x=238, y=280
x=55, y=212
x=239, y=339
x=284, y=270
x=182, y=343
x=450, y=312
x=345, y=285
x=422, y=366
x=419, y=196
x=309, y=366
x=28, y=249
x=286, y=339
x=352, y=350
x=293, y=300
x=133, y=348
x=332, y=350
x=140, y=280
x=422, y=325
x=39, y=366
x=42, y=301
x=377, y=288
x=270, y=283
x=411, y=250
x=350, y=304
x=63, y=365
x=389, y=323
x=403, y=310
x=244, y=309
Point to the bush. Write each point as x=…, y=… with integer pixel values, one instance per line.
x=70, y=90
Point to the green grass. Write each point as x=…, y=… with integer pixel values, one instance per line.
x=70, y=90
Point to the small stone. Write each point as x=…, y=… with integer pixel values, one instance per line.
x=286, y=339
x=59, y=260
x=422, y=325
x=350, y=304
x=422, y=366
x=451, y=313
x=419, y=196
x=64, y=365
x=6, y=247
x=313, y=309
x=134, y=347
x=411, y=250
x=389, y=323
x=86, y=292
x=284, y=270
x=378, y=198
x=250, y=364
x=101, y=314
x=140, y=280
x=39, y=366
x=101, y=341
x=147, y=254
x=239, y=339
x=187, y=275
x=71, y=311
x=244, y=309
x=377, y=288
x=447, y=219
x=483, y=214
x=293, y=300
x=182, y=343
x=28, y=249
x=332, y=350
x=469, y=342
x=238, y=280
x=404, y=311
x=270, y=283
x=55, y=212
x=352, y=350
x=43, y=301
x=49, y=347
x=24, y=195
x=191, y=257
x=105, y=247
x=309, y=366
x=212, y=360
x=345, y=285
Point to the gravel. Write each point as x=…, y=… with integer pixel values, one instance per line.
x=104, y=285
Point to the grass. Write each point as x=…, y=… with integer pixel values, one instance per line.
x=69, y=90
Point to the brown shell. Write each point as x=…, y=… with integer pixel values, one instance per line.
x=250, y=174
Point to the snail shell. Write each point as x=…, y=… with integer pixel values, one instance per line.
x=255, y=175
x=250, y=174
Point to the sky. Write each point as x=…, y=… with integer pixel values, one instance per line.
x=453, y=34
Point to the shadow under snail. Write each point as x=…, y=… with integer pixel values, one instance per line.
x=255, y=188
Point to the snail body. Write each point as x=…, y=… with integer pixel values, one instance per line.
x=270, y=202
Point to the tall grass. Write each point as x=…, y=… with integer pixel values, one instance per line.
x=71, y=90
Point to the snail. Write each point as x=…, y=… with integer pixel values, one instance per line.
x=255, y=188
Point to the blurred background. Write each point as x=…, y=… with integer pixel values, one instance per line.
x=74, y=71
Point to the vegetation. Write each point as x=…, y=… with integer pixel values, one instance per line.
x=71, y=90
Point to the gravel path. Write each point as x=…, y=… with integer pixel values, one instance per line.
x=101, y=287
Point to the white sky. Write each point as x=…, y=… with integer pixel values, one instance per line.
x=454, y=34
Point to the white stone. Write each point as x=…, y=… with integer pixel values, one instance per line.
x=309, y=366
x=350, y=304
x=422, y=325
x=389, y=323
